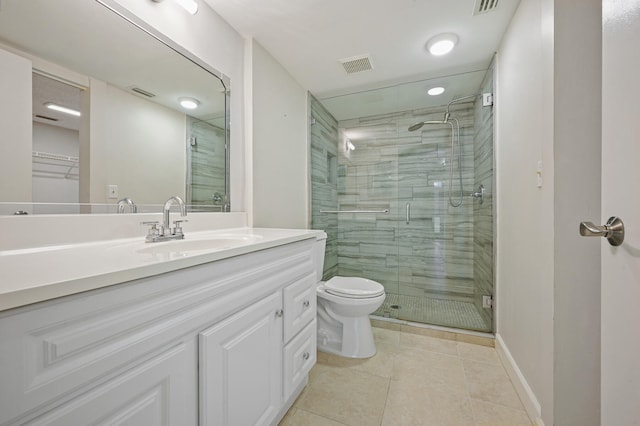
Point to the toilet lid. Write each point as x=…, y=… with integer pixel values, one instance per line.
x=353, y=287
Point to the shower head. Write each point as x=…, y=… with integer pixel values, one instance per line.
x=419, y=125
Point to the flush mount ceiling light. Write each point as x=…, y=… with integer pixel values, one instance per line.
x=442, y=44
x=61, y=108
x=190, y=6
x=435, y=91
x=189, y=103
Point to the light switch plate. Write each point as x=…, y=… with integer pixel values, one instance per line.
x=112, y=191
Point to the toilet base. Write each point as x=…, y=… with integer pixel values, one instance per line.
x=355, y=340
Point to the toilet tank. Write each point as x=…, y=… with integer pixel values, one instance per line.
x=318, y=255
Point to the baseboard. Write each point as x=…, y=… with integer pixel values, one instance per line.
x=528, y=398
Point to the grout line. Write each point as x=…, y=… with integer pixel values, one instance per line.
x=466, y=382
x=386, y=399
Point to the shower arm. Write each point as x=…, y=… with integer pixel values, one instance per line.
x=454, y=101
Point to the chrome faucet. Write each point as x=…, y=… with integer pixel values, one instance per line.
x=129, y=202
x=163, y=231
x=167, y=210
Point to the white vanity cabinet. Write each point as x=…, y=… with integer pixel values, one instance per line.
x=224, y=343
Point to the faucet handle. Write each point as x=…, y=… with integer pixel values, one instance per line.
x=154, y=230
x=178, y=226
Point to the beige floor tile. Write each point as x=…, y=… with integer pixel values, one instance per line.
x=383, y=335
x=305, y=418
x=432, y=369
x=287, y=419
x=478, y=353
x=488, y=414
x=412, y=404
x=346, y=396
x=433, y=344
x=490, y=383
x=381, y=364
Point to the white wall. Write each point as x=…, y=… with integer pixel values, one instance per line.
x=208, y=37
x=525, y=219
x=137, y=145
x=15, y=122
x=280, y=145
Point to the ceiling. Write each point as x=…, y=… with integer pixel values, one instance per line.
x=88, y=38
x=310, y=37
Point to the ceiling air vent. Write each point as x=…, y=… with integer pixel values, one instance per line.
x=484, y=6
x=44, y=117
x=356, y=64
x=142, y=92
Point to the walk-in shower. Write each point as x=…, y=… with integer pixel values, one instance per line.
x=402, y=208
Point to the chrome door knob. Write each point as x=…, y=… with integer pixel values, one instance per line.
x=613, y=230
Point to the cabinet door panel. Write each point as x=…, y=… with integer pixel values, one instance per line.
x=241, y=366
x=158, y=391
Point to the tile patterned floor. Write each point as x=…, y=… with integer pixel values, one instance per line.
x=427, y=310
x=412, y=380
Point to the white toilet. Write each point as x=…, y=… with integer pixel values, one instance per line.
x=344, y=305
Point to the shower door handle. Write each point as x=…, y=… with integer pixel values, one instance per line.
x=408, y=207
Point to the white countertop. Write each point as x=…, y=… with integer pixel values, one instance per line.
x=41, y=273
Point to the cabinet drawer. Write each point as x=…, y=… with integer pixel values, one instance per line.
x=299, y=357
x=299, y=305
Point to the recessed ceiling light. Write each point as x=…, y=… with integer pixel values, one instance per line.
x=435, y=91
x=189, y=103
x=190, y=6
x=442, y=44
x=61, y=108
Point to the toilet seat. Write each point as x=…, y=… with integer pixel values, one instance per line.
x=353, y=287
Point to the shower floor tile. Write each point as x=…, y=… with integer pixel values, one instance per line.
x=427, y=310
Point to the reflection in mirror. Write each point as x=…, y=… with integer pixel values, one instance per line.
x=131, y=137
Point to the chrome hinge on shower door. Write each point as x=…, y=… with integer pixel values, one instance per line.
x=487, y=301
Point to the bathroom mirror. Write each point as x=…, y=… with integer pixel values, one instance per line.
x=133, y=137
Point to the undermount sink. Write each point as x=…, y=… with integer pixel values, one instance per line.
x=217, y=242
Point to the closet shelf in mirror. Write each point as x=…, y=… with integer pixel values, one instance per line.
x=46, y=164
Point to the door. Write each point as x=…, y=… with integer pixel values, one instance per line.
x=620, y=380
x=241, y=366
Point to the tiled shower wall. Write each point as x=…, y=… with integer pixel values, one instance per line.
x=483, y=213
x=324, y=181
x=207, y=159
